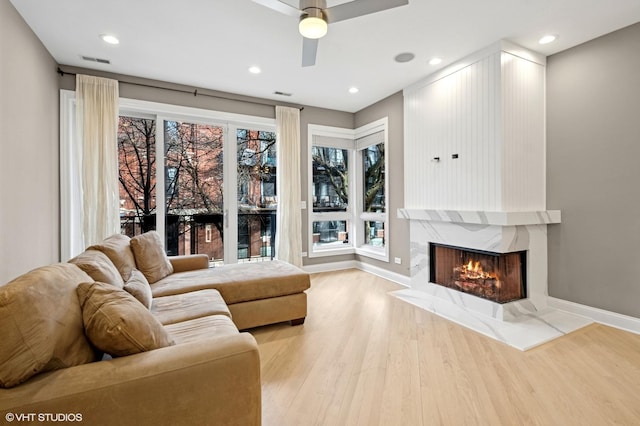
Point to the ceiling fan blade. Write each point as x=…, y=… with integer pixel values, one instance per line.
x=309, y=51
x=357, y=8
x=279, y=6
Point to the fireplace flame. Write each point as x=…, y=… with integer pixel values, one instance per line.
x=473, y=270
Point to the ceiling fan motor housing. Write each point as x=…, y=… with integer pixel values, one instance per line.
x=313, y=8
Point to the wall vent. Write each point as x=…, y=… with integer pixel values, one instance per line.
x=98, y=60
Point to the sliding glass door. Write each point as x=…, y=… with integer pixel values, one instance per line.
x=256, y=193
x=137, y=174
x=223, y=206
x=194, y=189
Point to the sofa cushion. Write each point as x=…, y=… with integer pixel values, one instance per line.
x=99, y=267
x=238, y=282
x=118, y=249
x=197, y=329
x=138, y=286
x=150, y=256
x=116, y=323
x=188, y=306
x=41, y=323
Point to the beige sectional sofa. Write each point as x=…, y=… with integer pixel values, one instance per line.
x=169, y=328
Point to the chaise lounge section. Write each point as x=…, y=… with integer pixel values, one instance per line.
x=256, y=293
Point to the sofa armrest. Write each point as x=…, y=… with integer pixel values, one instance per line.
x=214, y=380
x=189, y=262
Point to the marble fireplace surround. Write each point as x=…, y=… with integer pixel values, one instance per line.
x=522, y=323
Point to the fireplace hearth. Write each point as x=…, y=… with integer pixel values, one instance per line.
x=499, y=277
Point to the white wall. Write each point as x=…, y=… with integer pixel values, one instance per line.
x=523, y=127
x=489, y=111
x=29, y=207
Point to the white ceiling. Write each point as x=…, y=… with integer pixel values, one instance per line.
x=211, y=43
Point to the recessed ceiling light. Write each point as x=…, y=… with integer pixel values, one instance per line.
x=108, y=38
x=435, y=61
x=548, y=39
x=255, y=70
x=353, y=90
x=404, y=57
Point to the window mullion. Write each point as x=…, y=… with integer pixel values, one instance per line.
x=161, y=202
x=230, y=191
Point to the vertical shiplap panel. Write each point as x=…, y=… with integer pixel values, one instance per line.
x=497, y=136
x=455, y=115
x=478, y=165
x=415, y=147
x=523, y=183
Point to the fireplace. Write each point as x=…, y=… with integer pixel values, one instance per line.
x=499, y=277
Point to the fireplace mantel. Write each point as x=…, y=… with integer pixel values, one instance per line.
x=543, y=217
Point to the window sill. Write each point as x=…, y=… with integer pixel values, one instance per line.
x=330, y=251
x=377, y=253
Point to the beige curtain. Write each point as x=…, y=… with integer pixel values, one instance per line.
x=288, y=222
x=97, y=125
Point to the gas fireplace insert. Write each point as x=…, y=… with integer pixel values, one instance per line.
x=499, y=277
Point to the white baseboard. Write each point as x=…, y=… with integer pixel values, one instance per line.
x=391, y=276
x=331, y=266
x=612, y=319
x=354, y=264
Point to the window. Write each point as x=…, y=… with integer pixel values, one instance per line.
x=330, y=193
x=347, y=190
x=257, y=199
x=373, y=210
x=373, y=170
x=137, y=174
x=194, y=180
x=330, y=179
x=175, y=179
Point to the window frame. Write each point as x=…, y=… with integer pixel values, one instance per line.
x=355, y=214
x=70, y=241
x=347, y=135
x=380, y=253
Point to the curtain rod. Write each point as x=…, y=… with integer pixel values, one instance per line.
x=194, y=93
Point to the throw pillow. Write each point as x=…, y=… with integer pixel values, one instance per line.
x=138, y=287
x=150, y=256
x=99, y=267
x=117, y=248
x=41, y=323
x=116, y=323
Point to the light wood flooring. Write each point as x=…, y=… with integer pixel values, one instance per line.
x=363, y=357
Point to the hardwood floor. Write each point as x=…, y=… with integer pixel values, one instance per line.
x=363, y=357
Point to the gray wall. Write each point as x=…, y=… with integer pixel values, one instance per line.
x=29, y=206
x=593, y=155
x=145, y=89
x=398, y=236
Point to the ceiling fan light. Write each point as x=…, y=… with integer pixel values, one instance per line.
x=313, y=25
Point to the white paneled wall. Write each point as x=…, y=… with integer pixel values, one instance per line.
x=523, y=167
x=489, y=110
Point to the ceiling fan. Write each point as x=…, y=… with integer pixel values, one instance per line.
x=314, y=17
